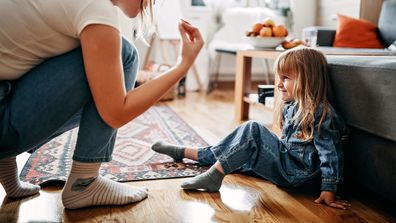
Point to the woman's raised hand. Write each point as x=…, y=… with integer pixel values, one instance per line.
x=191, y=43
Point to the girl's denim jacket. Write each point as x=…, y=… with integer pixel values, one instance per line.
x=324, y=152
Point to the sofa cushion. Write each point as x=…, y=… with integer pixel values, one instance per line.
x=356, y=33
x=364, y=92
x=386, y=23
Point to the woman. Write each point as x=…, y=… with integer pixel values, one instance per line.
x=64, y=64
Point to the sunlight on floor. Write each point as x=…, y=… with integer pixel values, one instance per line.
x=237, y=199
x=194, y=211
x=39, y=208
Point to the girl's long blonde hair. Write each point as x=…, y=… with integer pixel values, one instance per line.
x=311, y=88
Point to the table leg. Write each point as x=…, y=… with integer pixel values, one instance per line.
x=242, y=86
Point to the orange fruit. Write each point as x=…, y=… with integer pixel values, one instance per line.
x=266, y=32
x=257, y=27
x=279, y=31
x=268, y=22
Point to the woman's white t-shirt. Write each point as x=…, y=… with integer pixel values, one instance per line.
x=34, y=30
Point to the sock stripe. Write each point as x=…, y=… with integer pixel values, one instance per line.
x=88, y=193
x=101, y=199
x=9, y=179
x=101, y=191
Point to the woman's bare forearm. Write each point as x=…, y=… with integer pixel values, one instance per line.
x=143, y=97
x=101, y=49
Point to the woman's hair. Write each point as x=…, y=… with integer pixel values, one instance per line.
x=147, y=19
x=311, y=88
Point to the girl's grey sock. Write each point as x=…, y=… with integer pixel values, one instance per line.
x=174, y=151
x=209, y=181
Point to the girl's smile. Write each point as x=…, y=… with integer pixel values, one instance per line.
x=286, y=86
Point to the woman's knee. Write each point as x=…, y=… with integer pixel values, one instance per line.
x=130, y=62
x=129, y=52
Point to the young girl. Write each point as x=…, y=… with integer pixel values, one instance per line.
x=310, y=145
x=65, y=64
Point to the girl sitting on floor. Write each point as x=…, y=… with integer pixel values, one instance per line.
x=310, y=145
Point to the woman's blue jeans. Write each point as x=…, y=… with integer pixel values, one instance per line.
x=53, y=98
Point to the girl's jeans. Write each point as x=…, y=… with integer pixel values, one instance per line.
x=250, y=148
x=53, y=98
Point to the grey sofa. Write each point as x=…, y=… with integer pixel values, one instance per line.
x=364, y=90
x=364, y=93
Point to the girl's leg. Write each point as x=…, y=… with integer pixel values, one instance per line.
x=175, y=151
x=203, y=155
x=239, y=149
x=210, y=180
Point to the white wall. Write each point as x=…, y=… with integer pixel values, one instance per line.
x=198, y=16
x=304, y=15
x=328, y=9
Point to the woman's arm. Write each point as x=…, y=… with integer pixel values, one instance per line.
x=101, y=46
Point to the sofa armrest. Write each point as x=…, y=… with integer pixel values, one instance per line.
x=363, y=90
x=324, y=35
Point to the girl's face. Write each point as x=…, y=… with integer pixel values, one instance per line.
x=286, y=86
x=131, y=8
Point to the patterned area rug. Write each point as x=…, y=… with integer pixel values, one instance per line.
x=132, y=157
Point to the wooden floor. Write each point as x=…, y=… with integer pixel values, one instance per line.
x=241, y=198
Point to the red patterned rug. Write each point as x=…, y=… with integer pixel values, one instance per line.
x=132, y=157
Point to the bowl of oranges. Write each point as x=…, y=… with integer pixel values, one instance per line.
x=266, y=34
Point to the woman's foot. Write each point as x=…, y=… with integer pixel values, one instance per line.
x=10, y=180
x=209, y=181
x=85, y=188
x=174, y=151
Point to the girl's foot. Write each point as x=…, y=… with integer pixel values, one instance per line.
x=209, y=181
x=174, y=151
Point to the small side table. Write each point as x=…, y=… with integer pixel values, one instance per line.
x=243, y=77
x=214, y=67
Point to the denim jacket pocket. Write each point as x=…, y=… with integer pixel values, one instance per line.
x=301, y=159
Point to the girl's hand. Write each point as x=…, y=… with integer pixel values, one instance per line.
x=191, y=43
x=329, y=198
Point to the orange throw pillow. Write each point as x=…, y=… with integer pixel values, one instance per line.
x=356, y=33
